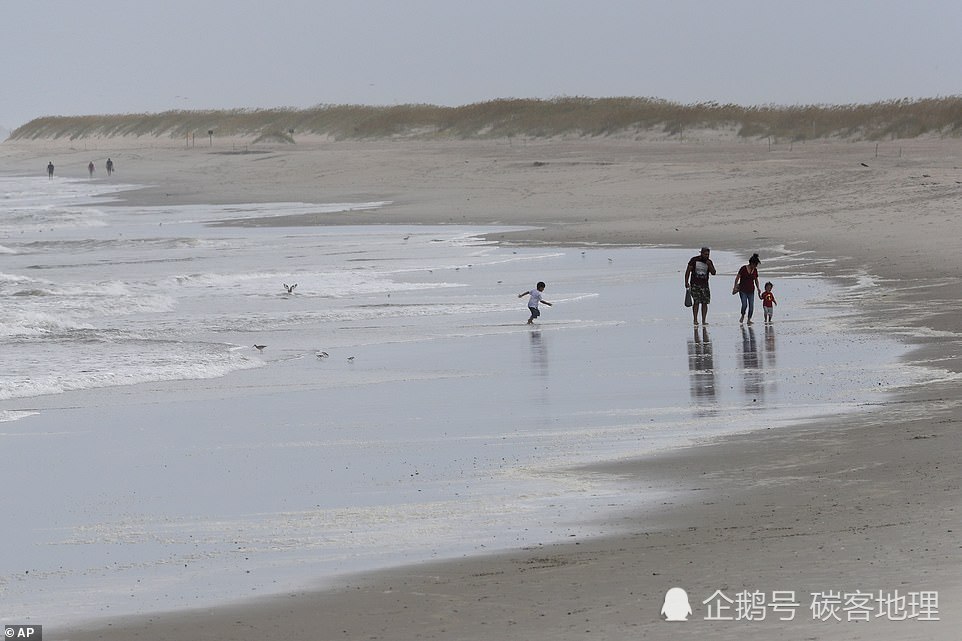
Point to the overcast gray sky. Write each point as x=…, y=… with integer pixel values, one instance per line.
x=69, y=57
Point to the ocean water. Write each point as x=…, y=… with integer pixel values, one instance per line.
x=402, y=410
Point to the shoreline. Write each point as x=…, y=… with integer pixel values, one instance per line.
x=784, y=512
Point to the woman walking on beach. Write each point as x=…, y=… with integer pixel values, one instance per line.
x=746, y=286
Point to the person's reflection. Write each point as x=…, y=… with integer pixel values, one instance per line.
x=771, y=371
x=539, y=354
x=770, y=347
x=701, y=367
x=539, y=367
x=748, y=357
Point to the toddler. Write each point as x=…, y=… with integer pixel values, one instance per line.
x=768, y=301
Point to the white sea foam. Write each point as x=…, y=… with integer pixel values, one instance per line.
x=187, y=214
x=129, y=364
x=13, y=415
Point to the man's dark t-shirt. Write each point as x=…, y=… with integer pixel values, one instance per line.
x=699, y=271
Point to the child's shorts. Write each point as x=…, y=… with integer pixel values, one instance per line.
x=535, y=312
x=768, y=311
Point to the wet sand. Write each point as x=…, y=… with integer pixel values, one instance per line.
x=866, y=502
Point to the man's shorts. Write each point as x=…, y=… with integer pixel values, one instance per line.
x=700, y=295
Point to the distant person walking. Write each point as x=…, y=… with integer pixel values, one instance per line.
x=50, y=170
x=535, y=298
x=110, y=166
x=699, y=269
x=746, y=284
x=90, y=168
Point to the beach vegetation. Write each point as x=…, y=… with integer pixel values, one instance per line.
x=275, y=137
x=528, y=118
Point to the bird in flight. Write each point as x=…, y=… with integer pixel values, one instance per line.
x=290, y=288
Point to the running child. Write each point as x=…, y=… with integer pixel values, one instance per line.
x=768, y=301
x=536, y=298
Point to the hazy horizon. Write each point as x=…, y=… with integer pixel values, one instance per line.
x=67, y=58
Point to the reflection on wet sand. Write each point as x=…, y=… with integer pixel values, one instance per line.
x=701, y=366
x=539, y=354
x=769, y=346
x=749, y=362
x=539, y=367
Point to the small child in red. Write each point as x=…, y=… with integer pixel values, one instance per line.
x=768, y=301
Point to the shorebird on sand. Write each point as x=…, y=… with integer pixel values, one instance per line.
x=260, y=348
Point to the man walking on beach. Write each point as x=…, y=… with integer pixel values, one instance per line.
x=110, y=166
x=50, y=170
x=699, y=269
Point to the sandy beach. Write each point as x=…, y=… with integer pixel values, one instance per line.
x=865, y=502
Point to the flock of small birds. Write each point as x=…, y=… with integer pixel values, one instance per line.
x=320, y=354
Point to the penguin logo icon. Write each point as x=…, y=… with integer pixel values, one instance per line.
x=676, y=607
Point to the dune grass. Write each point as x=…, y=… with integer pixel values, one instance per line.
x=572, y=116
